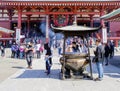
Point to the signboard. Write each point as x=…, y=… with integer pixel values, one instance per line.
x=104, y=35
x=18, y=36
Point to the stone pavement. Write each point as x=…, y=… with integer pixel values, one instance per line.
x=36, y=80
x=9, y=66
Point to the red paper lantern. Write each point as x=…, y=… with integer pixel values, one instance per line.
x=61, y=20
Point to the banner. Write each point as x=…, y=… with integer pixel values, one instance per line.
x=17, y=36
x=104, y=35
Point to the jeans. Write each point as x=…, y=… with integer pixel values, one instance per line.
x=38, y=54
x=59, y=51
x=2, y=53
x=106, y=60
x=29, y=60
x=21, y=55
x=48, y=65
x=100, y=69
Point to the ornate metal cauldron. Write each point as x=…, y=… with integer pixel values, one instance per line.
x=75, y=64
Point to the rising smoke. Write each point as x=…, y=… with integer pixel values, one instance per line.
x=52, y=35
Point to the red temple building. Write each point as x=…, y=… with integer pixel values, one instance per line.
x=27, y=15
x=113, y=16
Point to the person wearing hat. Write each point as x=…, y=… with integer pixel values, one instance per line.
x=29, y=54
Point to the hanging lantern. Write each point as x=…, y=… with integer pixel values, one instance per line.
x=61, y=20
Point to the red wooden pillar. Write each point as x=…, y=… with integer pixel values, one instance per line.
x=47, y=28
x=91, y=20
x=28, y=23
x=75, y=15
x=101, y=14
x=10, y=14
x=10, y=21
x=19, y=18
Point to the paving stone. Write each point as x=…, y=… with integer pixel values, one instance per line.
x=36, y=80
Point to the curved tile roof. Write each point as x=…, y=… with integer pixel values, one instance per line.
x=74, y=29
x=112, y=14
x=5, y=30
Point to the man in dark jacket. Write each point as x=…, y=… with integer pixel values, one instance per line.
x=107, y=52
x=48, y=58
x=2, y=48
x=99, y=59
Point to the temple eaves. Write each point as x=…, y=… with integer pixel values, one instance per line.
x=114, y=15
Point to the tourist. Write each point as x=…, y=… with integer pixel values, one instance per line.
x=13, y=50
x=99, y=60
x=2, y=48
x=75, y=47
x=111, y=48
x=29, y=54
x=48, y=58
x=37, y=47
x=21, y=49
x=17, y=51
x=107, y=53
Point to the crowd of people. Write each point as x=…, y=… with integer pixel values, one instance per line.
x=18, y=51
x=72, y=45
